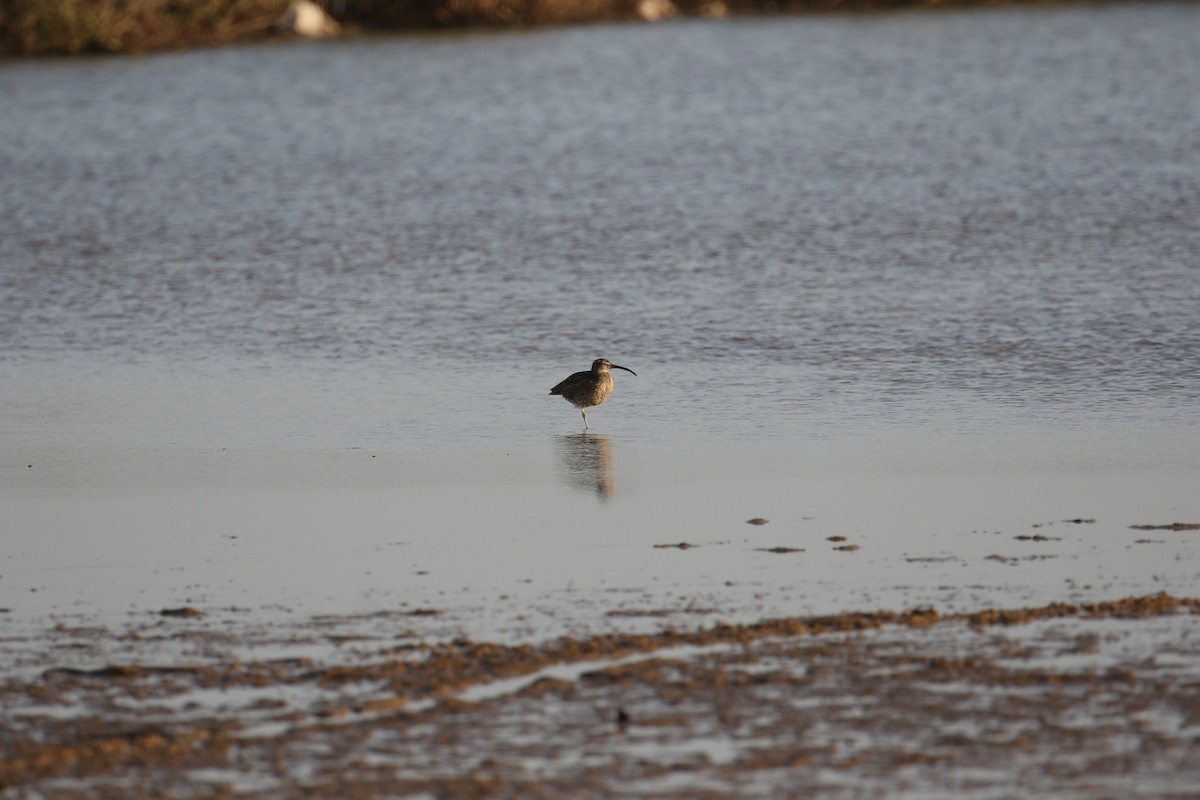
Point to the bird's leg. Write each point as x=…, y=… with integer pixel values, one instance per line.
x=585, y=425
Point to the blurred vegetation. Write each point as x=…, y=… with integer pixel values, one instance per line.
x=122, y=26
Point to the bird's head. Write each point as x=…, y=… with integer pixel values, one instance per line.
x=604, y=365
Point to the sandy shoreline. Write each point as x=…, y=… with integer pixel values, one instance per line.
x=1064, y=699
x=381, y=623
x=275, y=610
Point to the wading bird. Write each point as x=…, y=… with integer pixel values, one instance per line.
x=586, y=390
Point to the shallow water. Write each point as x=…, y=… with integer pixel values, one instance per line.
x=277, y=323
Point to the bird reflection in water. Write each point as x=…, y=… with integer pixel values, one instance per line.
x=586, y=462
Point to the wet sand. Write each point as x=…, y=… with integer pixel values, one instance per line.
x=1080, y=700
x=598, y=616
x=606, y=616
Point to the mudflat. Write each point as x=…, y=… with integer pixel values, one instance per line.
x=1065, y=699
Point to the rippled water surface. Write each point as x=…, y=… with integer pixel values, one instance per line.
x=1002, y=203
x=951, y=241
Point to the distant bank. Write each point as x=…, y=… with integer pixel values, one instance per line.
x=49, y=27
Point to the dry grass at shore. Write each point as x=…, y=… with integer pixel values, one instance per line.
x=47, y=27
x=35, y=27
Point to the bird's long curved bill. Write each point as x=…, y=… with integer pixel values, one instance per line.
x=627, y=369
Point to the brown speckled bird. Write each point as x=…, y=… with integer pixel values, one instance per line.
x=586, y=390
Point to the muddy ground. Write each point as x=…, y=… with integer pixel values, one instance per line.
x=1064, y=700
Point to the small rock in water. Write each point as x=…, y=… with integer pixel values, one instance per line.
x=1173, y=526
x=185, y=611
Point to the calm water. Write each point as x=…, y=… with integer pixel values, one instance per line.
x=951, y=241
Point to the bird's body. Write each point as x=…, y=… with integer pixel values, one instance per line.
x=586, y=390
